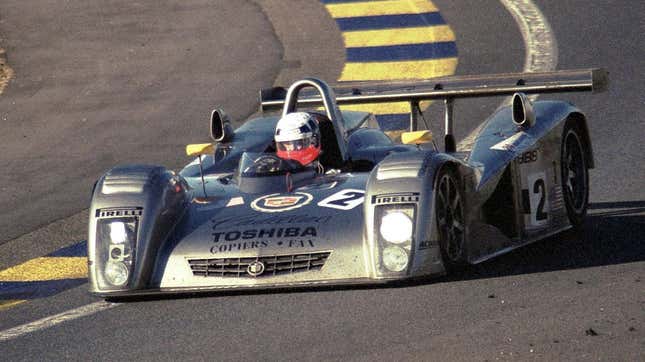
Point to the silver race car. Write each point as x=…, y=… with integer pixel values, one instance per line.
x=372, y=211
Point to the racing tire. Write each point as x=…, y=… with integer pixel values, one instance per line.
x=450, y=220
x=574, y=169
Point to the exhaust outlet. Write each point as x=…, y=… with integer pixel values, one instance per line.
x=523, y=114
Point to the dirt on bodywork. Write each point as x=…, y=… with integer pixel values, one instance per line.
x=5, y=71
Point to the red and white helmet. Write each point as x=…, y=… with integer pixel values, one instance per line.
x=297, y=137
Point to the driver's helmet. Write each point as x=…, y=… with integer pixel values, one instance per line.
x=297, y=137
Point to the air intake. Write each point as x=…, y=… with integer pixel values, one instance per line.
x=255, y=267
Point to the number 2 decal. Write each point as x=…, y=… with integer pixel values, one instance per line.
x=538, y=200
x=344, y=200
x=538, y=188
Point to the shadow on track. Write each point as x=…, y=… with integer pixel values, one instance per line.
x=613, y=233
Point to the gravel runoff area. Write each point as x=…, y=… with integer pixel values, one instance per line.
x=5, y=71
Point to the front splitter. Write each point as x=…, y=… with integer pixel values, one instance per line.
x=249, y=288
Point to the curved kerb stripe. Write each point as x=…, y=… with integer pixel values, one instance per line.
x=393, y=39
x=540, y=43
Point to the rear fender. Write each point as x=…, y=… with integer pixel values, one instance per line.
x=579, y=119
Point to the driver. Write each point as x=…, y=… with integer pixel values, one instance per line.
x=297, y=137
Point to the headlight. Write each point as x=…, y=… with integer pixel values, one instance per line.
x=116, y=273
x=394, y=230
x=396, y=227
x=116, y=240
x=395, y=258
x=118, y=234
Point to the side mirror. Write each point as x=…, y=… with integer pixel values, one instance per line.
x=221, y=129
x=523, y=114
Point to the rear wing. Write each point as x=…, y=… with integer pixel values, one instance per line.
x=447, y=89
x=365, y=92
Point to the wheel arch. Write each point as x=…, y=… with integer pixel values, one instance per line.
x=457, y=169
x=155, y=198
x=580, y=121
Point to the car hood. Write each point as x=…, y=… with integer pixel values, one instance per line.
x=325, y=216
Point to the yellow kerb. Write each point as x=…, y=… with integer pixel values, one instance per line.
x=46, y=268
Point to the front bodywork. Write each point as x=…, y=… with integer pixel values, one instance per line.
x=317, y=235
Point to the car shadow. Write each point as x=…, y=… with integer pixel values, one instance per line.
x=613, y=233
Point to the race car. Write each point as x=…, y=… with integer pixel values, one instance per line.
x=371, y=210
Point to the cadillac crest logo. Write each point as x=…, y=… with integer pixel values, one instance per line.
x=281, y=202
x=255, y=269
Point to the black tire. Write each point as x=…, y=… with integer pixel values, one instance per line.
x=574, y=168
x=450, y=220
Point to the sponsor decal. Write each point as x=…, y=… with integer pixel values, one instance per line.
x=253, y=220
x=509, y=144
x=318, y=186
x=209, y=203
x=395, y=198
x=204, y=200
x=527, y=157
x=257, y=238
x=535, y=201
x=235, y=201
x=280, y=202
x=247, y=245
x=427, y=244
x=344, y=200
x=119, y=211
x=259, y=233
x=255, y=269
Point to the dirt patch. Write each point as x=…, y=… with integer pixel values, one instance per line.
x=5, y=72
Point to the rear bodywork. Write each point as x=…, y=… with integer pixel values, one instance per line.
x=224, y=231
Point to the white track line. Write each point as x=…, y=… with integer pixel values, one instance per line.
x=541, y=46
x=541, y=54
x=51, y=321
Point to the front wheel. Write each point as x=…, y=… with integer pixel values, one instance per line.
x=449, y=210
x=575, y=175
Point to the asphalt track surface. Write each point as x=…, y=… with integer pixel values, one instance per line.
x=144, y=80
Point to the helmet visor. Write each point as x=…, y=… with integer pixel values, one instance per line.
x=295, y=145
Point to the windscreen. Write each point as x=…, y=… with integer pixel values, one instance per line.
x=266, y=164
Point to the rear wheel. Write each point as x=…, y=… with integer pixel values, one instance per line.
x=575, y=175
x=449, y=210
